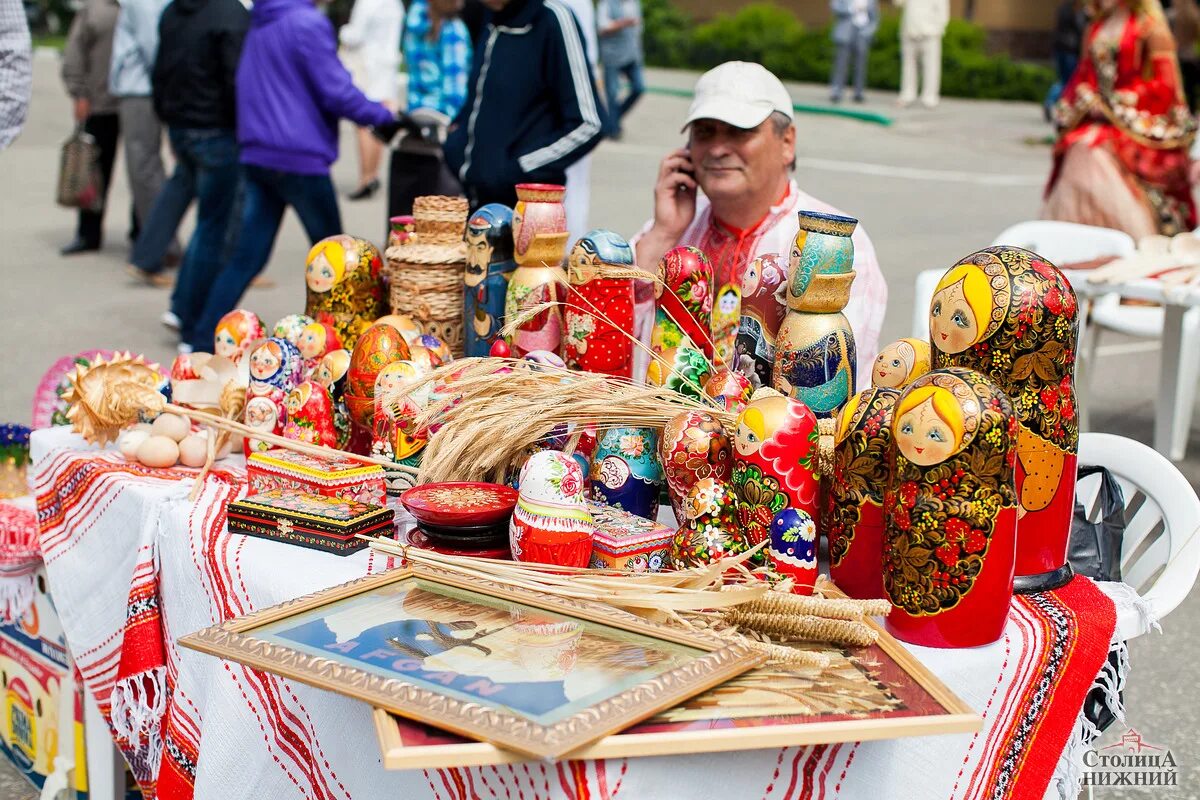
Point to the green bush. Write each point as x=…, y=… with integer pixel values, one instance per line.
x=773, y=37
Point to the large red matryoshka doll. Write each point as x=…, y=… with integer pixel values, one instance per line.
x=599, y=317
x=763, y=307
x=1011, y=315
x=852, y=500
x=539, y=229
x=950, y=511
x=694, y=446
x=552, y=523
x=345, y=285
x=774, y=462
x=684, y=302
x=236, y=332
x=310, y=415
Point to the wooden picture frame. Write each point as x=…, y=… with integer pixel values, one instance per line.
x=930, y=709
x=530, y=672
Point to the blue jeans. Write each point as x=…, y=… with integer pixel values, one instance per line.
x=268, y=193
x=1064, y=68
x=208, y=169
x=612, y=85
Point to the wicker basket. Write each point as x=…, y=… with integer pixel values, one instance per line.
x=426, y=273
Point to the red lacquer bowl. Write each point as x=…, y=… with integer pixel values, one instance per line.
x=460, y=503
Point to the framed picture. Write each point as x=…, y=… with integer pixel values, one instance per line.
x=876, y=692
x=514, y=668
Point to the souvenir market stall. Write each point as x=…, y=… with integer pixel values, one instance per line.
x=344, y=560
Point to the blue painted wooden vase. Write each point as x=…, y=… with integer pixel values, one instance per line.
x=626, y=472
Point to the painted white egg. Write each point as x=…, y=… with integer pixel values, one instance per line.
x=129, y=442
x=193, y=450
x=158, y=451
x=171, y=425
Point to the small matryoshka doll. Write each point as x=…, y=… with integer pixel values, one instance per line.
x=815, y=359
x=680, y=369
x=275, y=368
x=684, y=302
x=263, y=413
x=1011, y=315
x=310, y=415
x=551, y=523
x=950, y=511
x=730, y=388
x=395, y=437
x=764, y=288
x=625, y=471
x=709, y=531
x=291, y=326
x=539, y=230
x=774, y=461
x=694, y=446
x=331, y=373
x=439, y=349
x=599, y=317
x=400, y=230
x=314, y=342
x=485, y=282
x=852, y=501
x=345, y=285
x=900, y=363
x=726, y=314
x=793, y=548
x=236, y=331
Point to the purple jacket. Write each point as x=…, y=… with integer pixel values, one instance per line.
x=292, y=89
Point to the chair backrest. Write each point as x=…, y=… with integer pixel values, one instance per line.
x=1066, y=242
x=1160, y=554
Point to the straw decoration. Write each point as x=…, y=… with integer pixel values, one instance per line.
x=805, y=627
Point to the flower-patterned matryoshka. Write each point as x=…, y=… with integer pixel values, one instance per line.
x=1011, y=315
x=774, y=461
x=852, y=498
x=694, y=446
x=236, y=332
x=345, y=286
x=680, y=369
x=275, y=368
x=950, y=511
x=764, y=289
x=291, y=326
x=793, y=548
x=551, y=523
x=684, y=302
x=264, y=413
x=485, y=282
x=709, y=531
x=599, y=317
x=317, y=339
x=310, y=415
x=730, y=388
x=900, y=363
x=625, y=471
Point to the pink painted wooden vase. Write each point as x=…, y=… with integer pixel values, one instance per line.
x=552, y=523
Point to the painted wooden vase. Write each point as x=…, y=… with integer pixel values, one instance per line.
x=709, y=531
x=764, y=287
x=852, y=497
x=310, y=415
x=551, y=523
x=344, y=276
x=599, y=317
x=814, y=348
x=275, y=369
x=694, y=446
x=236, y=332
x=626, y=472
x=774, y=463
x=950, y=511
x=379, y=346
x=901, y=363
x=680, y=369
x=1011, y=315
x=730, y=388
x=683, y=315
x=793, y=548
x=485, y=282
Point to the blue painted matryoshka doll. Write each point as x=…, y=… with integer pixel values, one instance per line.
x=485, y=283
x=626, y=472
x=275, y=368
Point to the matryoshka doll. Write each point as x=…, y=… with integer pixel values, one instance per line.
x=709, y=530
x=901, y=363
x=331, y=373
x=764, y=287
x=275, y=369
x=317, y=339
x=379, y=346
x=236, y=332
x=394, y=435
x=681, y=369
x=539, y=245
x=1011, y=315
x=291, y=326
x=400, y=230
x=694, y=446
x=793, y=548
x=485, y=282
x=684, y=302
x=625, y=471
x=263, y=413
x=599, y=317
x=950, y=511
x=310, y=415
x=774, y=462
x=730, y=388
x=345, y=285
x=551, y=523
x=726, y=314
x=438, y=349
x=814, y=349
x=852, y=500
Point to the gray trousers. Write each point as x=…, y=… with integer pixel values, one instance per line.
x=142, y=133
x=858, y=47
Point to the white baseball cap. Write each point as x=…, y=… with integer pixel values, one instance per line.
x=739, y=93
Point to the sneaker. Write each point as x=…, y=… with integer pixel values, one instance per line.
x=184, y=348
x=171, y=321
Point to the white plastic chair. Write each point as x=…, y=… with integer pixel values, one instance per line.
x=1160, y=554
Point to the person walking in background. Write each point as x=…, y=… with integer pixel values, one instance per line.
x=291, y=92
x=1068, y=38
x=921, y=29
x=86, y=59
x=135, y=44
x=372, y=39
x=619, y=24
x=578, y=199
x=531, y=109
x=1184, y=18
x=16, y=70
x=194, y=95
x=854, y=25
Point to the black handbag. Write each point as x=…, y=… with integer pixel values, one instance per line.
x=1095, y=546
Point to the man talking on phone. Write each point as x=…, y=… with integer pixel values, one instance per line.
x=731, y=193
